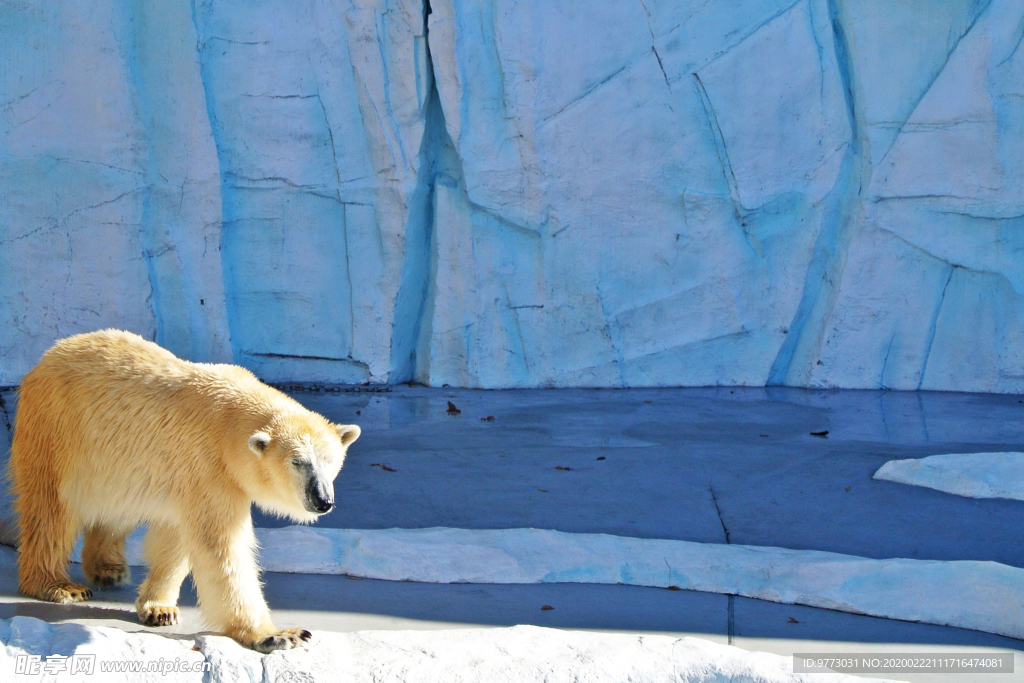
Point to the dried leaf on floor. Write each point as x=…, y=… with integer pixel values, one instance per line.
x=452, y=410
x=563, y=469
x=822, y=433
x=383, y=467
x=545, y=608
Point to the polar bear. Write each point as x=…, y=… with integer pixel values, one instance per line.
x=113, y=431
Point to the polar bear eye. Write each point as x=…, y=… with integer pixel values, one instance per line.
x=298, y=463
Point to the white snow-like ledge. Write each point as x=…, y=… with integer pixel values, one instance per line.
x=973, y=475
x=985, y=596
x=499, y=655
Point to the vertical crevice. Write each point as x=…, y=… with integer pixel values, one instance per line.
x=227, y=281
x=654, y=47
x=516, y=324
x=438, y=163
x=348, y=277
x=718, y=509
x=843, y=211
x=723, y=159
x=343, y=210
x=730, y=598
x=732, y=617
x=933, y=327
x=127, y=38
x=885, y=363
x=613, y=335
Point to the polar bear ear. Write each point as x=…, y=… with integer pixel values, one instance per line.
x=348, y=434
x=258, y=442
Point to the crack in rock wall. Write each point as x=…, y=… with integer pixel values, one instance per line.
x=490, y=194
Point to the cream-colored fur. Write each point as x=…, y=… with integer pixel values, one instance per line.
x=113, y=431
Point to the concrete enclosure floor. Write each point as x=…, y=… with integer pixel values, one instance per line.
x=716, y=465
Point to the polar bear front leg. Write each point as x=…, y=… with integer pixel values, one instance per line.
x=227, y=582
x=168, y=562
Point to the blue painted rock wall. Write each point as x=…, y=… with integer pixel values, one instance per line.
x=510, y=194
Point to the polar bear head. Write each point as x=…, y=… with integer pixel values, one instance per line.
x=298, y=456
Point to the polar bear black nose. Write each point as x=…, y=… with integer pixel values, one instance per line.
x=319, y=497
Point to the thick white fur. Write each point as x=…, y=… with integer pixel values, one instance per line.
x=113, y=431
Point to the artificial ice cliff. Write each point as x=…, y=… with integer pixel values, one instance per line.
x=507, y=194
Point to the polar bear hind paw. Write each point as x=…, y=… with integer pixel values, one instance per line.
x=109, y=575
x=67, y=593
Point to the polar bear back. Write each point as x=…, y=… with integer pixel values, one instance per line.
x=105, y=406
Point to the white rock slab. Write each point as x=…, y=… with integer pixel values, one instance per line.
x=521, y=653
x=973, y=475
x=34, y=637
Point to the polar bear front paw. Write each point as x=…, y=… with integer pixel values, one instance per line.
x=159, y=615
x=108, y=575
x=282, y=640
x=67, y=593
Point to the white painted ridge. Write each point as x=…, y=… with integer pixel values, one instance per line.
x=972, y=475
x=985, y=596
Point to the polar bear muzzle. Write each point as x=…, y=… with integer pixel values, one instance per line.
x=319, y=494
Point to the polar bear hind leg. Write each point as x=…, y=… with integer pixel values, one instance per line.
x=48, y=531
x=103, y=560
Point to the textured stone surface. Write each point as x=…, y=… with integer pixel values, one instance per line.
x=500, y=194
x=521, y=653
